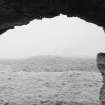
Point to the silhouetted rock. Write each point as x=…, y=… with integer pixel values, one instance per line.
x=101, y=63
x=101, y=67
x=20, y=12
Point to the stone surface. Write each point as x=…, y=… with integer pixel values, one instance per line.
x=19, y=12
x=101, y=67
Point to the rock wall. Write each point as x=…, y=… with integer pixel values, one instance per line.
x=20, y=12
x=101, y=67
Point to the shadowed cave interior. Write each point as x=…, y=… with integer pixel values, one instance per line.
x=21, y=12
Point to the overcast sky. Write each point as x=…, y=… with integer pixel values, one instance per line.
x=59, y=36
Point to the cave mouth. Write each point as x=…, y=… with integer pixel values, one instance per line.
x=21, y=12
x=61, y=36
x=76, y=25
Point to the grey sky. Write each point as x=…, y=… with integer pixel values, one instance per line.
x=60, y=36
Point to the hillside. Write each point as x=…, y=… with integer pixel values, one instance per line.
x=50, y=64
x=49, y=80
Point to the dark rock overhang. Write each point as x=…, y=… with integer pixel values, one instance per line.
x=20, y=12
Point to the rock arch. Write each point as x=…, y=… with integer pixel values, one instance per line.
x=20, y=12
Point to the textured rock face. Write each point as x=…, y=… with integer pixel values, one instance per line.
x=20, y=12
x=101, y=67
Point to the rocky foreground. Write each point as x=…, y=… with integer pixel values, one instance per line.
x=101, y=67
x=50, y=88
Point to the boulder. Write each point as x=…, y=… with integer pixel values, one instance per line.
x=101, y=67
